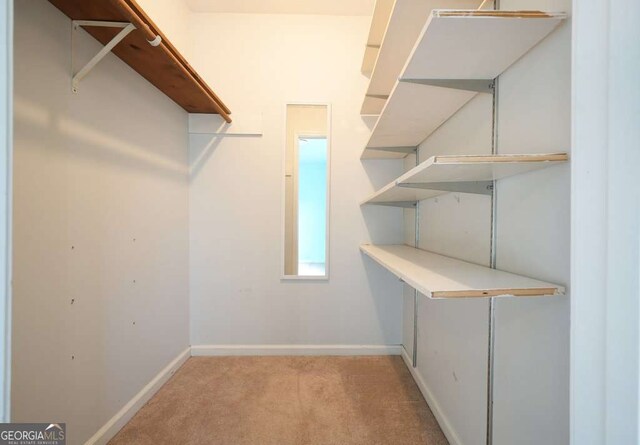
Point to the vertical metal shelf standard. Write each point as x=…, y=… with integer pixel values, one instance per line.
x=492, y=258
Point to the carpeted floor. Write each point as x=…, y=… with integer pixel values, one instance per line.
x=286, y=401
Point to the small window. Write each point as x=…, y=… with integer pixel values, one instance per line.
x=312, y=205
x=306, y=188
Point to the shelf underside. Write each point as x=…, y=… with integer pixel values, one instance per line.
x=379, y=20
x=163, y=66
x=466, y=174
x=438, y=276
x=411, y=114
x=405, y=22
x=476, y=44
x=393, y=195
x=456, y=57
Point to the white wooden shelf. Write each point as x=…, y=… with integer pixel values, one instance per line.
x=472, y=168
x=438, y=276
x=458, y=44
x=404, y=22
x=379, y=20
x=455, y=173
x=457, y=56
x=412, y=113
x=396, y=196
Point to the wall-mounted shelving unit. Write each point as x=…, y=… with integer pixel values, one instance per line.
x=158, y=62
x=379, y=20
x=401, y=22
x=458, y=54
x=454, y=173
x=439, y=276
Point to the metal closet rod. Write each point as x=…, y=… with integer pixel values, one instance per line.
x=156, y=40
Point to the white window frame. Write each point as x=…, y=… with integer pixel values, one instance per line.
x=6, y=136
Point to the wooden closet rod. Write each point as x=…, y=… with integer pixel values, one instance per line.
x=173, y=49
x=173, y=54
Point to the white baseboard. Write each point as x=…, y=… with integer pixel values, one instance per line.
x=231, y=350
x=447, y=429
x=115, y=424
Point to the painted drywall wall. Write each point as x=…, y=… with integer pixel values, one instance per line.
x=236, y=189
x=408, y=311
x=532, y=335
x=101, y=229
x=452, y=337
x=172, y=17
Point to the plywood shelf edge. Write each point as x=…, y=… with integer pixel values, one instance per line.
x=441, y=277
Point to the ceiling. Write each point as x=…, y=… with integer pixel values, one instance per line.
x=318, y=7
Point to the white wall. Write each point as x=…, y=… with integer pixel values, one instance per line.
x=172, y=18
x=531, y=393
x=257, y=63
x=100, y=217
x=453, y=335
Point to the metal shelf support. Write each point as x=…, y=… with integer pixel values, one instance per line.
x=477, y=85
x=76, y=24
x=475, y=187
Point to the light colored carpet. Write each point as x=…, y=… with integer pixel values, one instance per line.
x=286, y=401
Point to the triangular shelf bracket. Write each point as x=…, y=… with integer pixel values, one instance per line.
x=477, y=85
x=76, y=24
x=408, y=150
x=404, y=204
x=378, y=96
x=475, y=187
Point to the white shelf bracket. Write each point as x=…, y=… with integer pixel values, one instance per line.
x=378, y=96
x=477, y=85
x=475, y=187
x=398, y=149
x=405, y=204
x=75, y=26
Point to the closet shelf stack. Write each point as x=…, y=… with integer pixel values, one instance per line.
x=395, y=27
x=457, y=55
x=379, y=21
